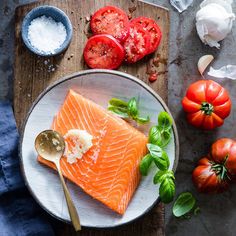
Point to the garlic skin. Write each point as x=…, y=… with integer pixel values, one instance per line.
x=214, y=21
x=228, y=71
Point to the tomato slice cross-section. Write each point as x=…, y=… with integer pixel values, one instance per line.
x=137, y=45
x=103, y=52
x=111, y=20
x=150, y=26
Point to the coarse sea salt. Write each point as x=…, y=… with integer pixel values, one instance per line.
x=46, y=35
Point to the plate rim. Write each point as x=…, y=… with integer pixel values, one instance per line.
x=72, y=76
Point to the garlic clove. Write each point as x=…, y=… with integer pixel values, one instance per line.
x=204, y=62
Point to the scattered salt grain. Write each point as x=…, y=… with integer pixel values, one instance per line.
x=46, y=35
x=87, y=18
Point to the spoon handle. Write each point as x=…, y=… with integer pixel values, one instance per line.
x=71, y=207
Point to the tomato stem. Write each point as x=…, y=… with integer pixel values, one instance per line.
x=220, y=170
x=226, y=158
x=207, y=108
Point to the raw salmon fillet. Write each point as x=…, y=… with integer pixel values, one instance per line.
x=109, y=171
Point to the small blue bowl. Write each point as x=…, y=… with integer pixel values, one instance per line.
x=56, y=14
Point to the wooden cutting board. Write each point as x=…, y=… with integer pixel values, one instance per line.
x=33, y=73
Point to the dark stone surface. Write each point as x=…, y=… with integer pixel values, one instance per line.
x=218, y=212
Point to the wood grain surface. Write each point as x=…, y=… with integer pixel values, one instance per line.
x=32, y=74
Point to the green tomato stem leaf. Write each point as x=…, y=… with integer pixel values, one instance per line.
x=183, y=204
x=145, y=164
x=167, y=190
x=164, y=120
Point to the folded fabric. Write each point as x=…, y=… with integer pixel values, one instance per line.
x=19, y=213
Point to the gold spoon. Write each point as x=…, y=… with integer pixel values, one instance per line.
x=50, y=145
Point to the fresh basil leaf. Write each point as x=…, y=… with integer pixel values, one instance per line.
x=161, y=175
x=159, y=136
x=142, y=120
x=145, y=164
x=132, y=107
x=119, y=111
x=154, y=135
x=154, y=150
x=183, y=204
x=127, y=109
x=122, y=109
x=167, y=190
x=115, y=102
x=165, y=137
x=162, y=162
x=164, y=120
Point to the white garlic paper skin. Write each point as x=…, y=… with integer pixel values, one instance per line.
x=228, y=71
x=214, y=21
x=181, y=5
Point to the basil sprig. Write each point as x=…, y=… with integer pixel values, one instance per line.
x=159, y=137
x=184, y=204
x=127, y=110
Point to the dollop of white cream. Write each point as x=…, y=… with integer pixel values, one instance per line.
x=214, y=21
x=78, y=142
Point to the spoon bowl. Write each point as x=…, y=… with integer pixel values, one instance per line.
x=50, y=145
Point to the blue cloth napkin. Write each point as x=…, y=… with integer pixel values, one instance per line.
x=19, y=213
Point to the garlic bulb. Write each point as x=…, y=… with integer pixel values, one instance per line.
x=214, y=21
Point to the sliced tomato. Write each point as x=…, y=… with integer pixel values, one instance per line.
x=152, y=27
x=111, y=20
x=104, y=52
x=137, y=45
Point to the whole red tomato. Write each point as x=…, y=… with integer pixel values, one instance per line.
x=207, y=104
x=214, y=172
x=209, y=177
x=224, y=151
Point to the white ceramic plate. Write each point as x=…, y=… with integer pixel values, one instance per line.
x=99, y=86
